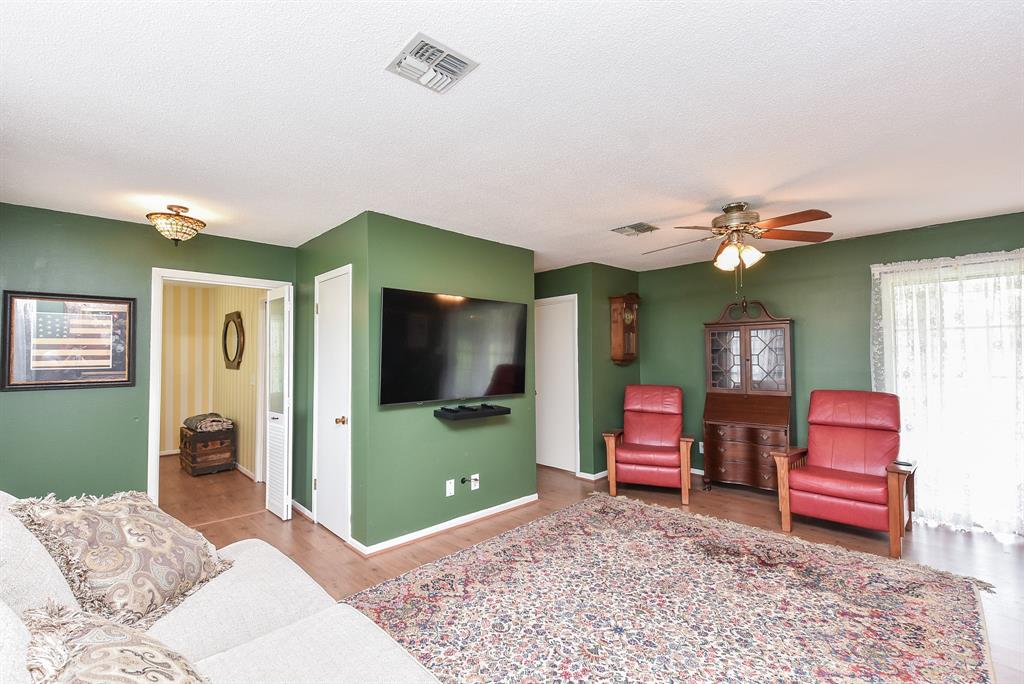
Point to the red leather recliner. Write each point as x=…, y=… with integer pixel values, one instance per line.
x=650, y=449
x=846, y=474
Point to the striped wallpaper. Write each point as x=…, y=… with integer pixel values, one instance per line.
x=235, y=392
x=187, y=378
x=195, y=379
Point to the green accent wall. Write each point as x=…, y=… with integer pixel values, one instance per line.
x=825, y=288
x=601, y=382
x=94, y=441
x=342, y=245
x=401, y=455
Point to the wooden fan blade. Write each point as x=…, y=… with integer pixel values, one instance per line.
x=691, y=228
x=681, y=244
x=791, y=219
x=797, y=235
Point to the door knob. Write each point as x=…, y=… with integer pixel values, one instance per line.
x=341, y=421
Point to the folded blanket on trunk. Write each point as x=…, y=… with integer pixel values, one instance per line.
x=208, y=422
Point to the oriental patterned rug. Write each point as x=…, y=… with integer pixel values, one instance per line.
x=615, y=589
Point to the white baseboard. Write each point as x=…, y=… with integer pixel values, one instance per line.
x=433, y=529
x=245, y=471
x=302, y=510
x=170, y=452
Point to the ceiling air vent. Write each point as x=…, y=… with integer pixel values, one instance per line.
x=635, y=229
x=431, y=64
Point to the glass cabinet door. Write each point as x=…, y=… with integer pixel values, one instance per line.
x=768, y=357
x=725, y=363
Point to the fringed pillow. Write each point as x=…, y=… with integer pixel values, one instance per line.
x=73, y=647
x=123, y=557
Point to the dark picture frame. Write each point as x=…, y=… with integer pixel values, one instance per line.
x=67, y=341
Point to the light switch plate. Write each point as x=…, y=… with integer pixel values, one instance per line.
x=474, y=481
x=700, y=445
x=449, y=487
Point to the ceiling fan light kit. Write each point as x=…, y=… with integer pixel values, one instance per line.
x=738, y=222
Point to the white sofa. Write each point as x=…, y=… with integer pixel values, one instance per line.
x=261, y=621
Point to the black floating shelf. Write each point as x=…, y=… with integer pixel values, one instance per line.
x=471, y=412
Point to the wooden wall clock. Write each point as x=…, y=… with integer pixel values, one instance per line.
x=625, y=328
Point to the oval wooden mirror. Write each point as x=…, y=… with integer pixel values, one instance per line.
x=233, y=340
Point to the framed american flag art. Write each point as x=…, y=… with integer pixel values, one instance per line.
x=58, y=341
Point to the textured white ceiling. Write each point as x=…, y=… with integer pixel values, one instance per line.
x=277, y=121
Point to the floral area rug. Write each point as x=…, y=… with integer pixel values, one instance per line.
x=618, y=590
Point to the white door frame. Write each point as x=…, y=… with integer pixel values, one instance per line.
x=156, y=330
x=575, y=363
x=334, y=273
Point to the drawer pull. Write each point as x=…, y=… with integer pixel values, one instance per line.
x=721, y=448
x=765, y=454
x=721, y=469
x=721, y=432
x=766, y=476
x=765, y=435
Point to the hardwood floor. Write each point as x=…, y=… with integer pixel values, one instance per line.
x=228, y=507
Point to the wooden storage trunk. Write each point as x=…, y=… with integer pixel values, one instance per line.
x=207, y=452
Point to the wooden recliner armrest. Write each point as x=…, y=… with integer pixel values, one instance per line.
x=899, y=481
x=611, y=439
x=787, y=459
x=790, y=458
x=685, y=447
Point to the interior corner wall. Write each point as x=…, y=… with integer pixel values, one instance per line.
x=186, y=386
x=94, y=440
x=825, y=288
x=602, y=383
x=340, y=246
x=578, y=280
x=410, y=452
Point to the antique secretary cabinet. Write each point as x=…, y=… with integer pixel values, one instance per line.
x=749, y=376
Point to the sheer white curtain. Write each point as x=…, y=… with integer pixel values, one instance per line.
x=948, y=338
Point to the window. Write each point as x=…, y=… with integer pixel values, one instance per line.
x=947, y=337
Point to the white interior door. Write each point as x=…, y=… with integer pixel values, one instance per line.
x=557, y=379
x=332, y=360
x=279, y=402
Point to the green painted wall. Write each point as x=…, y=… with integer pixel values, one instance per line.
x=578, y=280
x=601, y=382
x=401, y=455
x=345, y=244
x=825, y=288
x=411, y=453
x=94, y=440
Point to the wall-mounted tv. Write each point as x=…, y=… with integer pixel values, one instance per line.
x=443, y=347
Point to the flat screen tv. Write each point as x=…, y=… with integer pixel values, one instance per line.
x=442, y=347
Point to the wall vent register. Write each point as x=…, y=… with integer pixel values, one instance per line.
x=431, y=64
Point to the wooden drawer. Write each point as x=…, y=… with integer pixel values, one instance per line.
x=736, y=472
x=769, y=436
x=766, y=478
x=731, y=451
x=742, y=433
x=731, y=433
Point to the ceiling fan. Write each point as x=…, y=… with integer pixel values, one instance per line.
x=738, y=222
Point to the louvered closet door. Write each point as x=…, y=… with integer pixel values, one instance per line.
x=279, y=402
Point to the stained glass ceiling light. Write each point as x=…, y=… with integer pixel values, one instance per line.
x=175, y=225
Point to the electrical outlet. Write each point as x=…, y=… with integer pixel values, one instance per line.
x=449, y=487
x=700, y=445
x=474, y=481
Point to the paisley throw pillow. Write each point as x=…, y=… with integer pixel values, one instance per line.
x=69, y=646
x=123, y=557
